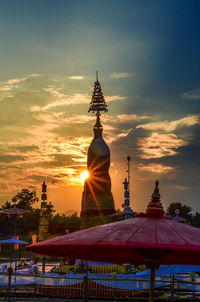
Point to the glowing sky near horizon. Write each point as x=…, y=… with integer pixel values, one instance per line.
x=148, y=57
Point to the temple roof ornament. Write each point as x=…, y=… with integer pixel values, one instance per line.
x=97, y=103
x=155, y=197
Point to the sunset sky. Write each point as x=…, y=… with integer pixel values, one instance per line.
x=148, y=57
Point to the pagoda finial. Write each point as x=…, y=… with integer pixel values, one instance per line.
x=155, y=197
x=97, y=103
x=44, y=187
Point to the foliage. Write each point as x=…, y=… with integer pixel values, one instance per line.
x=25, y=199
x=184, y=211
x=22, y=225
x=28, y=224
x=60, y=224
x=195, y=221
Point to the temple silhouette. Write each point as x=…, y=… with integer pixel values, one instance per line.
x=97, y=199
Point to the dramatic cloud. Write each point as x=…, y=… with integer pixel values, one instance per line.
x=75, y=77
x=181, y=188
x=21, y=80
x=159, y=145
x=61, y=99
x=61, y=119
x=112, y=98
x=123, y=118
x=116, y=134
x=119, y=75
x=155, y=168
x=191, y=95
x=170, y=126
x=65, y=100
x=5, y=88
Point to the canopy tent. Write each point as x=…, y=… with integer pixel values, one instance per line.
x=172, y=270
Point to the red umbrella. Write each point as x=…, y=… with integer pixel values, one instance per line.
x=150, y=239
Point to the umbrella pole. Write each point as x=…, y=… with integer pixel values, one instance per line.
x=151, y=293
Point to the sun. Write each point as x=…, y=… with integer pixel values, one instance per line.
x=84, y=175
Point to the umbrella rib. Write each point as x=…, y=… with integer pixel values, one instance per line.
x=135, y=230
x=105, y=236
x=174, y=230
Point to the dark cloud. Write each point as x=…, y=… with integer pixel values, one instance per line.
x=11, y=158
x=25, y=149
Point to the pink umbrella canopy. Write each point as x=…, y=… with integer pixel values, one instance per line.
x=147, y=237
x=150, y=238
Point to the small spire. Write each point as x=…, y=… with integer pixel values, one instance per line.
x=44, y=193
x=97, y=76
x=155, y=207
x=128, y=171
x=44, y=187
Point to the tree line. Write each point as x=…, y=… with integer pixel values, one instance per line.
x=28, y=224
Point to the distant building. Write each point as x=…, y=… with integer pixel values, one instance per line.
x=97, y=199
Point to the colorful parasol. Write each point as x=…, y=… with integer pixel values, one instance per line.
x=150, y=238
x=13, y=241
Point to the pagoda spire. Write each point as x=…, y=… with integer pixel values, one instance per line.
x=43, y=222
x=97, y=200
x=97, y=103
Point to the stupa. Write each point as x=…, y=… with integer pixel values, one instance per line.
x=97, y=199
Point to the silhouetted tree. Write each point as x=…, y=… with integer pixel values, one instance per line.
x=26, y=223
x=195, y=221
x=184, y=211
x=25, y=199
x=59, y=224
x=7, y=205
x=29, y=223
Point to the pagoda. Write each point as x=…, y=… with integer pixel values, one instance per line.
x=97, y=199
x=43, y=222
